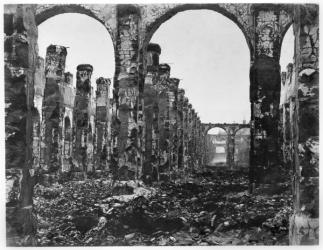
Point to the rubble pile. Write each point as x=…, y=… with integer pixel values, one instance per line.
x=210, y=209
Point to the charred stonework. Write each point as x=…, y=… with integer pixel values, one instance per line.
x=173, y=138
x=20, y=63
x=304, y=224
x=185, y=138
x=81, y=120
x=264, y=96
x=180, y=133
x=54, y=73
x=163, y=122
x=150, y=167
x=102, y=123
x=127, y=87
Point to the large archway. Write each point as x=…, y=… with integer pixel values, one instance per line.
x=202, y=43
x=216, y=147
x=81, y=53
x=86, y=39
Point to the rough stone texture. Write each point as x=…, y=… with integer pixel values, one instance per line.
x=180, y=124
x=173, y=140
x=185, y=138
x=304, y=224
x=57, y=109
x=150, y=167
x=102, y=123
x=127, y=89
x=54, y=72
x=20, y=57
x=163, y=122
x=81, y=115
x=265, y=95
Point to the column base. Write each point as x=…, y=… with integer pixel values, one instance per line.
x=303, y=230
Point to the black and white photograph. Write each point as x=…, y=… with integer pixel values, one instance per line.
x=160, y=124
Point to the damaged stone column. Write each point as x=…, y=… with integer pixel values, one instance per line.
x=265, y=95
x=230, y=147
x=180, y=123
x=20, y=62
x=173, y=138
x=190, y=138
x=304, y=223
x=194, y=143
x=185, y=137
x=54, y=72
x=163, y=122
x=127, y=157
x=81, y=117
x=200, y=144
x=101, y=123
x=150, y=167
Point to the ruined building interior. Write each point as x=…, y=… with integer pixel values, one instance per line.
x=134, y=145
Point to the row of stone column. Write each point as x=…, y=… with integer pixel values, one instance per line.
x=172, y=127
x=72, y=128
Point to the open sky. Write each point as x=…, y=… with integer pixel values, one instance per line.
x=88, y=41
x=206, y=50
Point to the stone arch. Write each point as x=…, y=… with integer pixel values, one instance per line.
x=286, y=26
x=210, y=126
x=216, y=147
x=45, y=12
x=240, y=127
x=152, y=28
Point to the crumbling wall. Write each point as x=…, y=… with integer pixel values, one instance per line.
x=20, y=63
x=304, y=224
